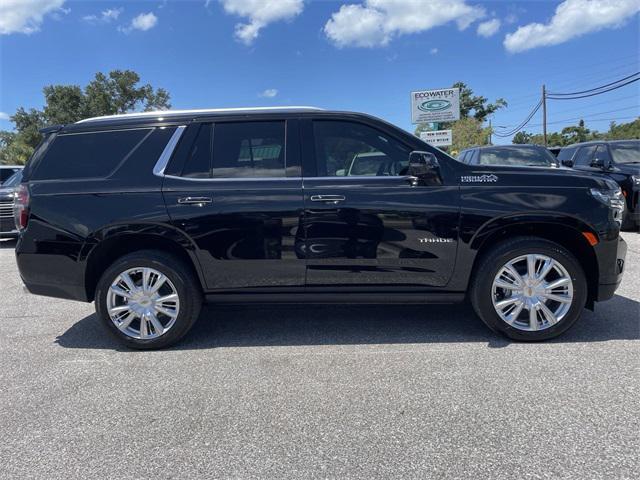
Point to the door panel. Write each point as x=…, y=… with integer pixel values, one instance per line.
x=384, y=232
x=246, y=235
x=244, y=223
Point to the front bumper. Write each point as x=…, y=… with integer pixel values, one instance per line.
x=607, y=288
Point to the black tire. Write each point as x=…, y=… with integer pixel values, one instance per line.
x=492, y=262
x=186, y=285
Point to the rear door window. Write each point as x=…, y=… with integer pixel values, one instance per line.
x=249, y=150
x=88, y=155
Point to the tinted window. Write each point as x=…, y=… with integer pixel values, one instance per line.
x=87, y=155
x=585, y=155
x=519, y=156
x=6, y=173
x=566, y=154
x=463, y=156
x=13, y=180
x=353, y=149
x=198, y=162
x=602, y=153
x=249, y=149
x=626, y=152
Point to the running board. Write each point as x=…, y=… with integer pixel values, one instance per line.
x=346, y=298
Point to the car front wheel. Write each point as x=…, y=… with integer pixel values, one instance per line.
x=148, y=299
x=529, y=289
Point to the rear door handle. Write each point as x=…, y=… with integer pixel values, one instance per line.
x=199, y=201
x=330, y=199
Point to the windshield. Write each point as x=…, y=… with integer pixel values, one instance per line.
x=626, y=152
x=525, y=157
x=13, y=180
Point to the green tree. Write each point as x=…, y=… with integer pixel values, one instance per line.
x=468, y=132
x=522, y=137
x=117, y=92
x=575, y=134
x=624, y=131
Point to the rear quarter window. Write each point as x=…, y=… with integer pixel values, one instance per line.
x=88, y=155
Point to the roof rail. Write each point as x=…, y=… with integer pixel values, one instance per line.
x=174, y=113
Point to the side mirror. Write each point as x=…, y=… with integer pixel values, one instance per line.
x=567, y=163
x=424, y=166
x=600, y=163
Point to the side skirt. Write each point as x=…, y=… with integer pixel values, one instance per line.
x=327, y=297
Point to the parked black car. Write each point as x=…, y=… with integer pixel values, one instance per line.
x=150, y=213
x=618, y=160
x=7, y=171
x=8, y=228
x=509, y=155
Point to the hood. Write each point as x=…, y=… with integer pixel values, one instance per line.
x=627, y=168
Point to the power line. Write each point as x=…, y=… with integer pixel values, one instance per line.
x=635, y=74
x=585, y=116
x=523, y=124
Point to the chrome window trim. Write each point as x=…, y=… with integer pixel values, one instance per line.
x=231, y=179
x=108, y=130
x=163, y=160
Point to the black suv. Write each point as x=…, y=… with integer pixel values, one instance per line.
x=618, y=160
x=148, y=214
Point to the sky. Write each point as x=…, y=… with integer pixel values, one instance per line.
x=360, y=55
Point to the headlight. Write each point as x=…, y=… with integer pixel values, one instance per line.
x=635, y=179
x=612, y=198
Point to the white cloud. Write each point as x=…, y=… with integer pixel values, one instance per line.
x=572, y=19
x=4, y=116
x=260, y=14
x=376, y=22
x=143, y=22
x=106, y=16
x=25, y=16
x=433, y=51
x=489, y=28
x=269, y=93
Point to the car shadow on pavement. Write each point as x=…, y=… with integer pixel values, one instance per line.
x=307, y=324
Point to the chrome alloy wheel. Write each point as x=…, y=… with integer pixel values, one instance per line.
x=532, y=292
x=143, y=303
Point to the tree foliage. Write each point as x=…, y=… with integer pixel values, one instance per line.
x=580, y=133
x=114, y=93
x=468, y=132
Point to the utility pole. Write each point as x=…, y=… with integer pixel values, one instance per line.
x=544, y=114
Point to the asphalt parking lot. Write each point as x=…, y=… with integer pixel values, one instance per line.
x=318, y=392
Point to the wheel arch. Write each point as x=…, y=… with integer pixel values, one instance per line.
x=568, y=232
x=111, y=244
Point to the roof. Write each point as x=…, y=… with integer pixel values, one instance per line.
x=514, y=145
x=597, y=142
x=165, y=114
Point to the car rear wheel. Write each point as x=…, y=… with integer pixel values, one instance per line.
x=529, y=289
x=148, y=299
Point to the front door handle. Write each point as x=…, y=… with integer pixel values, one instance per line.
x=329, y=199
x=198, y=201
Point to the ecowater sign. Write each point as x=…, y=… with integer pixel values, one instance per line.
x=435, y=105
